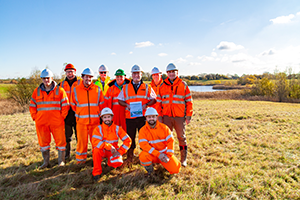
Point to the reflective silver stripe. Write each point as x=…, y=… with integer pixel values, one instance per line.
x=115, y=103
x=100, y=130
x=158, y=100
x=62, y=83
x=99, y=144
x=80, y=159
x=117, y=130
x=101, y=103
x=57, y=90
x=178, y=102
x=61, y=148
x=188, y=100
x=73, y=104
x=98, y=137
x=110, y=141
x=33, y=100
x=157, y=141
x=75, y=93
x=38, y=91
x=124, y=138
x=158, y=96
x=165, y=102
x=68, y=92
x=86, y=105
x=146, y=163
x=99, y=90
x=143, y=140
x=126, y=92
x=81, y=154
x=178, y=96
x=151, y=150
x=165, y=96
x=170, y=151
x=161, y=151
x=146, y=90
x=125, y=147
x=115, y=98
x=32, y=105
x=47, y=102
x=188, y=95
x=86, y=116
x=44, y=148
x=117, y=160
x=105, y=97
x=65, y=104
x=136, y=96
x=168, y=137
x=64, y=99
x=49, y=108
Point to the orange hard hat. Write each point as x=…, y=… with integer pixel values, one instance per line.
x=70, y=66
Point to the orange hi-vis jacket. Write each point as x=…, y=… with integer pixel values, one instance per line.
x=65, y=85
x=105, y=136
x=142, y=95
x=49, y=108
x=87, y=103
x=156, y=140
x=156, y=89
x=174, y=100
x=111, y=101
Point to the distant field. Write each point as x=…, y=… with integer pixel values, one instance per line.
x=237, y=150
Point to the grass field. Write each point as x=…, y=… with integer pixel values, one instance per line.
x=3, y=90
x=237, y=150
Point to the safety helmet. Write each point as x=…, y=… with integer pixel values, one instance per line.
x=106, y=111
x=136, y=68
x=102, y=68
x=46, y=73
x=70, y=66
x=155, y=70
x=151, y=111
x=87, y=71
x=171, y=67
x=120, y=72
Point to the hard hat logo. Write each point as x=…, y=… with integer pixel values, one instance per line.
x=46, y=73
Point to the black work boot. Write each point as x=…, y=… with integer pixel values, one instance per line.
x=68, y=148
x=46, y=156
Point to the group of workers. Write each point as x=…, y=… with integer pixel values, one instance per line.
x=108, y=111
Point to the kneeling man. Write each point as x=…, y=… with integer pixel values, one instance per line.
x=105, y=142
x=157, y=143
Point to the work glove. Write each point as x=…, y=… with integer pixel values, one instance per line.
x=163, y=157
x=113, y=150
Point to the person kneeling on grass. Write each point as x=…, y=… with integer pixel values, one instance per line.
x=157, y=143
x=105, y=143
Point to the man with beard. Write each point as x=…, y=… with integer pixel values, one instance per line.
x=105, y=142
x=103, y=79
x=157, y=143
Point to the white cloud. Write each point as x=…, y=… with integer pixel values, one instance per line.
x=162, y=54
x=194, y=63
x=179, y=60
x=113, y=54
x=205, y=58
x=298, y=13
x=189, y=56
x=213, y=54
x=283, y=19
x=143, y=44
x=229, y=46
x=268, y=52
x=130, y=52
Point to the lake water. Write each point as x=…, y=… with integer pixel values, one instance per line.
x=203, y=88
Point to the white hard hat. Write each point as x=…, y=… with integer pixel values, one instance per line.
x=155, y=70
x=136, y=68
x=46, y=73
x=87, y=71
x=151, y=111
x=103, y=68
x=171, y=67
x=106, y=111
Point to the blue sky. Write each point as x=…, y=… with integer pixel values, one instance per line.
x=234, y=36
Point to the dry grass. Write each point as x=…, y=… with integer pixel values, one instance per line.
x=9, y=107
x=237, y=150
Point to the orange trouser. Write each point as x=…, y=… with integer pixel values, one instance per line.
x=173, y=166
x=99, y=154
x=44, y=136
x=83, y=132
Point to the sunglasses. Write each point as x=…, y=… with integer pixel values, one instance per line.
x=102, y=72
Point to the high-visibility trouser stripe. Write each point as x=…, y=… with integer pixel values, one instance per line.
x=49, y=108
x=81, y=159
x=146, y=163
x=178, y=102
x=157, y=141
x=81, y=154
x=125, y=147
x=151, y=150
x=64, y=99
x=86, y=116
x=32, y=105
x=44, y=148
x=115, y=103
x=188, y=100
x=170, y=151
x=178, y=96
x=188, y=95
x=165, y=102
x=65, y=104
x=143, y=140
x=98, y=137
x=124, y=138
x=110, y=141
x=86, y=105
x=99, y=144
x=48, y=102
x=165, y=96
x=61, y=148
x=168, y=137
x=116, y=160
x=32, y=99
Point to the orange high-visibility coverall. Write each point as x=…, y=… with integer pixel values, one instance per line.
x=154, y=141
x=104, y=137
x=64, y=84
x=111, y=101
x=49, y=111
x=156, y=89
x=87, y=104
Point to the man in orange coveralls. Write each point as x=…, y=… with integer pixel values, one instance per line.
x=156, y=82
x=86, y=101
x=105, y=143
x=157, y=143
x=49, y=107
x=111, y=98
